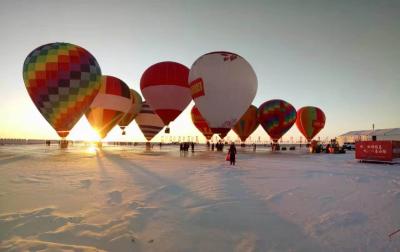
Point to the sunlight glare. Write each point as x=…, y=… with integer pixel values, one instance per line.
x=92, y=149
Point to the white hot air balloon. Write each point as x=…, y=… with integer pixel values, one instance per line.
x=223, y=86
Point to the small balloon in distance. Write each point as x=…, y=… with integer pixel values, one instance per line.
x=310, y=121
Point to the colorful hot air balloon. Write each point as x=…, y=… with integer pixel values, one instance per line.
x=247, y=124
x=111, y=103
x=223, y=85
x=276, y=117
x=165, y=88
x=149, y=122
x=310, y=121
x=62, y=80
x=200, y=123
x=136, y=106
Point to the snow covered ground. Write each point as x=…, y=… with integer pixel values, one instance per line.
x=129, y=199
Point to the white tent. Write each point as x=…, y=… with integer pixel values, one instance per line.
x=364, y=135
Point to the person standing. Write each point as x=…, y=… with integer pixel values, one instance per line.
x=232, y=153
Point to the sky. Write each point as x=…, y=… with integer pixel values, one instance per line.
x=342, y=56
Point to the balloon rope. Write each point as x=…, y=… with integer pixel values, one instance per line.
x=393, y=233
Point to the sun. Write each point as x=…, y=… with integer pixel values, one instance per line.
x=83, y=131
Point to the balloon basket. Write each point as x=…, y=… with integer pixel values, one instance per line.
x=123, y=133
x=148, y=146
x=99, y=144
x=64, y=144
x=276, y=147
x=167, y=130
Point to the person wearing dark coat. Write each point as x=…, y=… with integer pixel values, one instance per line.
x=232, y=153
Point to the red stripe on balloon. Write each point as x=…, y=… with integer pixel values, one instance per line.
x=165, y=73
x=167, y=115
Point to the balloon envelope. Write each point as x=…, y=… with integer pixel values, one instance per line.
x=222, y=132
x=109, y=106
x=310, y=121
x=247, y=124
x=149, y=122
x=200, y=123
x=136, y=106
x=62, y=80
x=276, y=117
x=165, y=87
x=223, y=85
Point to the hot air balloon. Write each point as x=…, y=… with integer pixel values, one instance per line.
x=62, y=80
x=165, y=88
x=149, y=122
x=276, y=117
x=310, y=121
x=136, y=106
x=111, y=103
x=223, y=85
x=223, y=133
x=200, y=123
x=247, y=124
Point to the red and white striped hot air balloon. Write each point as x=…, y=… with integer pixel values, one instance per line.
x=149, y=122
x=165, y=88
x=111, y=103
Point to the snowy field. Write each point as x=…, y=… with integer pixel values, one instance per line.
x=129, y=199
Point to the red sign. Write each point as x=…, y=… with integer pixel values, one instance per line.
x=197, y=88
x=374, y=150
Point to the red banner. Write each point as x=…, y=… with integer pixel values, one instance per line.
x=374, y=150
x=197, y=88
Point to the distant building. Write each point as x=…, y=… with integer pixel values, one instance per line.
x=364, y=135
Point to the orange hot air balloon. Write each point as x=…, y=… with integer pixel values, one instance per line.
x=247, y=124
x=165, y=88
x=200, y=123
x=134, y=110
x=310, y=121
x=111, y=103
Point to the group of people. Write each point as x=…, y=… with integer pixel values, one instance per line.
x=185, y=146
x=219, y=146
